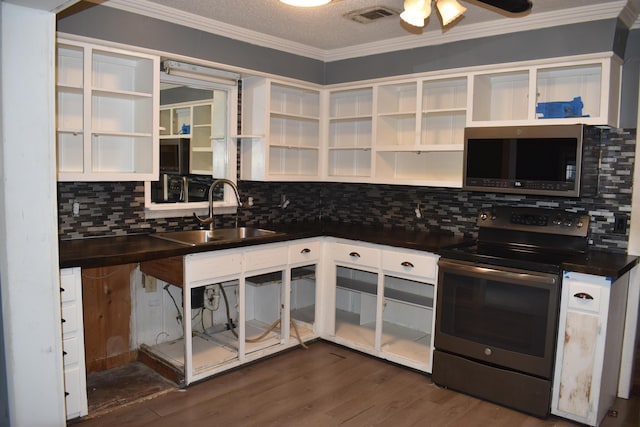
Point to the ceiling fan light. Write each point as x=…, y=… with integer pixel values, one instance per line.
x=449, y=10
x=415, y=12
x=305, y=3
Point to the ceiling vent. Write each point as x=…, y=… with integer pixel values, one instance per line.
x=370, y=14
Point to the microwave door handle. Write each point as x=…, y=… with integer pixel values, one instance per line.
x=522, y=277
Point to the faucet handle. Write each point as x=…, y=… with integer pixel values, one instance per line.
x=203, y=221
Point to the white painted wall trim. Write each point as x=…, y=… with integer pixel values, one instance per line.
x=29, y=280
x=633, y=298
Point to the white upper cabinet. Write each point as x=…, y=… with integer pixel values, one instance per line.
x=410, y=131
x=107, y=120
x=280, y=138
x=401, y=132
x=581, y=90
x=350, y=134
x=420, y=132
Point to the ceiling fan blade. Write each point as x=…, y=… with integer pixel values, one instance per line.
x=513, y=6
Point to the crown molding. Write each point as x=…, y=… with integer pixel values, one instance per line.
x=429, y=38
x=629, y=14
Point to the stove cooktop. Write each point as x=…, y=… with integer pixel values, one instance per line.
x=525, y=238
x=544, y=262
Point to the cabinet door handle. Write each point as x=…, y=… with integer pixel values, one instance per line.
x=355, y=254
x=406, y=264
x=305, y=251
x=61, y=289
x=583, y=295
x=64, y=353
x=63, y=320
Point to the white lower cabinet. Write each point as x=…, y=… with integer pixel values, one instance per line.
x=590, y=336
x=380, y=301
x=243, y=304
x=75, y=379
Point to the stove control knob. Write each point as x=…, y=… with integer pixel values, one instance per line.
x=483, y=216
x=487, y=351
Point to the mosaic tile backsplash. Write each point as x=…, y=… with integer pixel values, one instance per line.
x=117, y=208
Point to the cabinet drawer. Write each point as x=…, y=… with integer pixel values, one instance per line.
x=73, y=387
x=67, y=285
x=210, y=265
x=585, y=297
x=353, y=254
x=263, y=258
x=305, y=251
x=69, y=319
x=418, y=264
x=71, y=351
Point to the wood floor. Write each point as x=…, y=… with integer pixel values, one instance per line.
x=328, y=385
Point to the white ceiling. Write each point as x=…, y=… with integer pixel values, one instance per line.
x=324, y=33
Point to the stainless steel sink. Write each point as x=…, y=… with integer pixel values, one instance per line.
x=204, y=237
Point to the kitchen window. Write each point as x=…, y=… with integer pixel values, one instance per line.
x=197, y=122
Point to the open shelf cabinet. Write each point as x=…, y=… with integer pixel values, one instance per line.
x=106, y=114
x=284, y=121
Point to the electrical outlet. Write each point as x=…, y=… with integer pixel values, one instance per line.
x=620, y=224
x=150, y=283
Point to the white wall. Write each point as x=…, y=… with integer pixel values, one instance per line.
x=28, y=222
x=633, y=298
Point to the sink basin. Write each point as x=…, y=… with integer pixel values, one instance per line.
x=203, y=237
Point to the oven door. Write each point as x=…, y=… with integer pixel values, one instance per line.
x=500, y=316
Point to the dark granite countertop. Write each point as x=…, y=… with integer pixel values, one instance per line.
x=114, y=250
x=600, y=263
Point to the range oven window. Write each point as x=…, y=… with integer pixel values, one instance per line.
x=495, y=314
x=502, y=316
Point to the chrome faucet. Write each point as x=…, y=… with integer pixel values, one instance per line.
x=210, y=221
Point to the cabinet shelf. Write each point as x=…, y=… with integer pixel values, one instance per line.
x=120, y=94
x=350, y=118
x=444, y=111
x=408, y=297
x=349, y=148
x=178, y=136
x=294, y=147
x=424, y=148
x=356, y=285
x=247, y=136
x=294, y=117
x=73, y=88
x=70, y=131
x=98, y=133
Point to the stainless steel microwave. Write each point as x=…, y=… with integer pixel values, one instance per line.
x=174, y=156
x=552, y=160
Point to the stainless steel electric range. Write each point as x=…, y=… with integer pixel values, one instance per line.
x=498, y=304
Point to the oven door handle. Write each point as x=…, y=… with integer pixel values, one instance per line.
x=502, y=274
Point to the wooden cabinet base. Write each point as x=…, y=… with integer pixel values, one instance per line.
x=149, y=358
x=106, y=302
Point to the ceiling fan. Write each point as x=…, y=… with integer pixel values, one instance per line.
x=513, y=6
x=417, y=11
